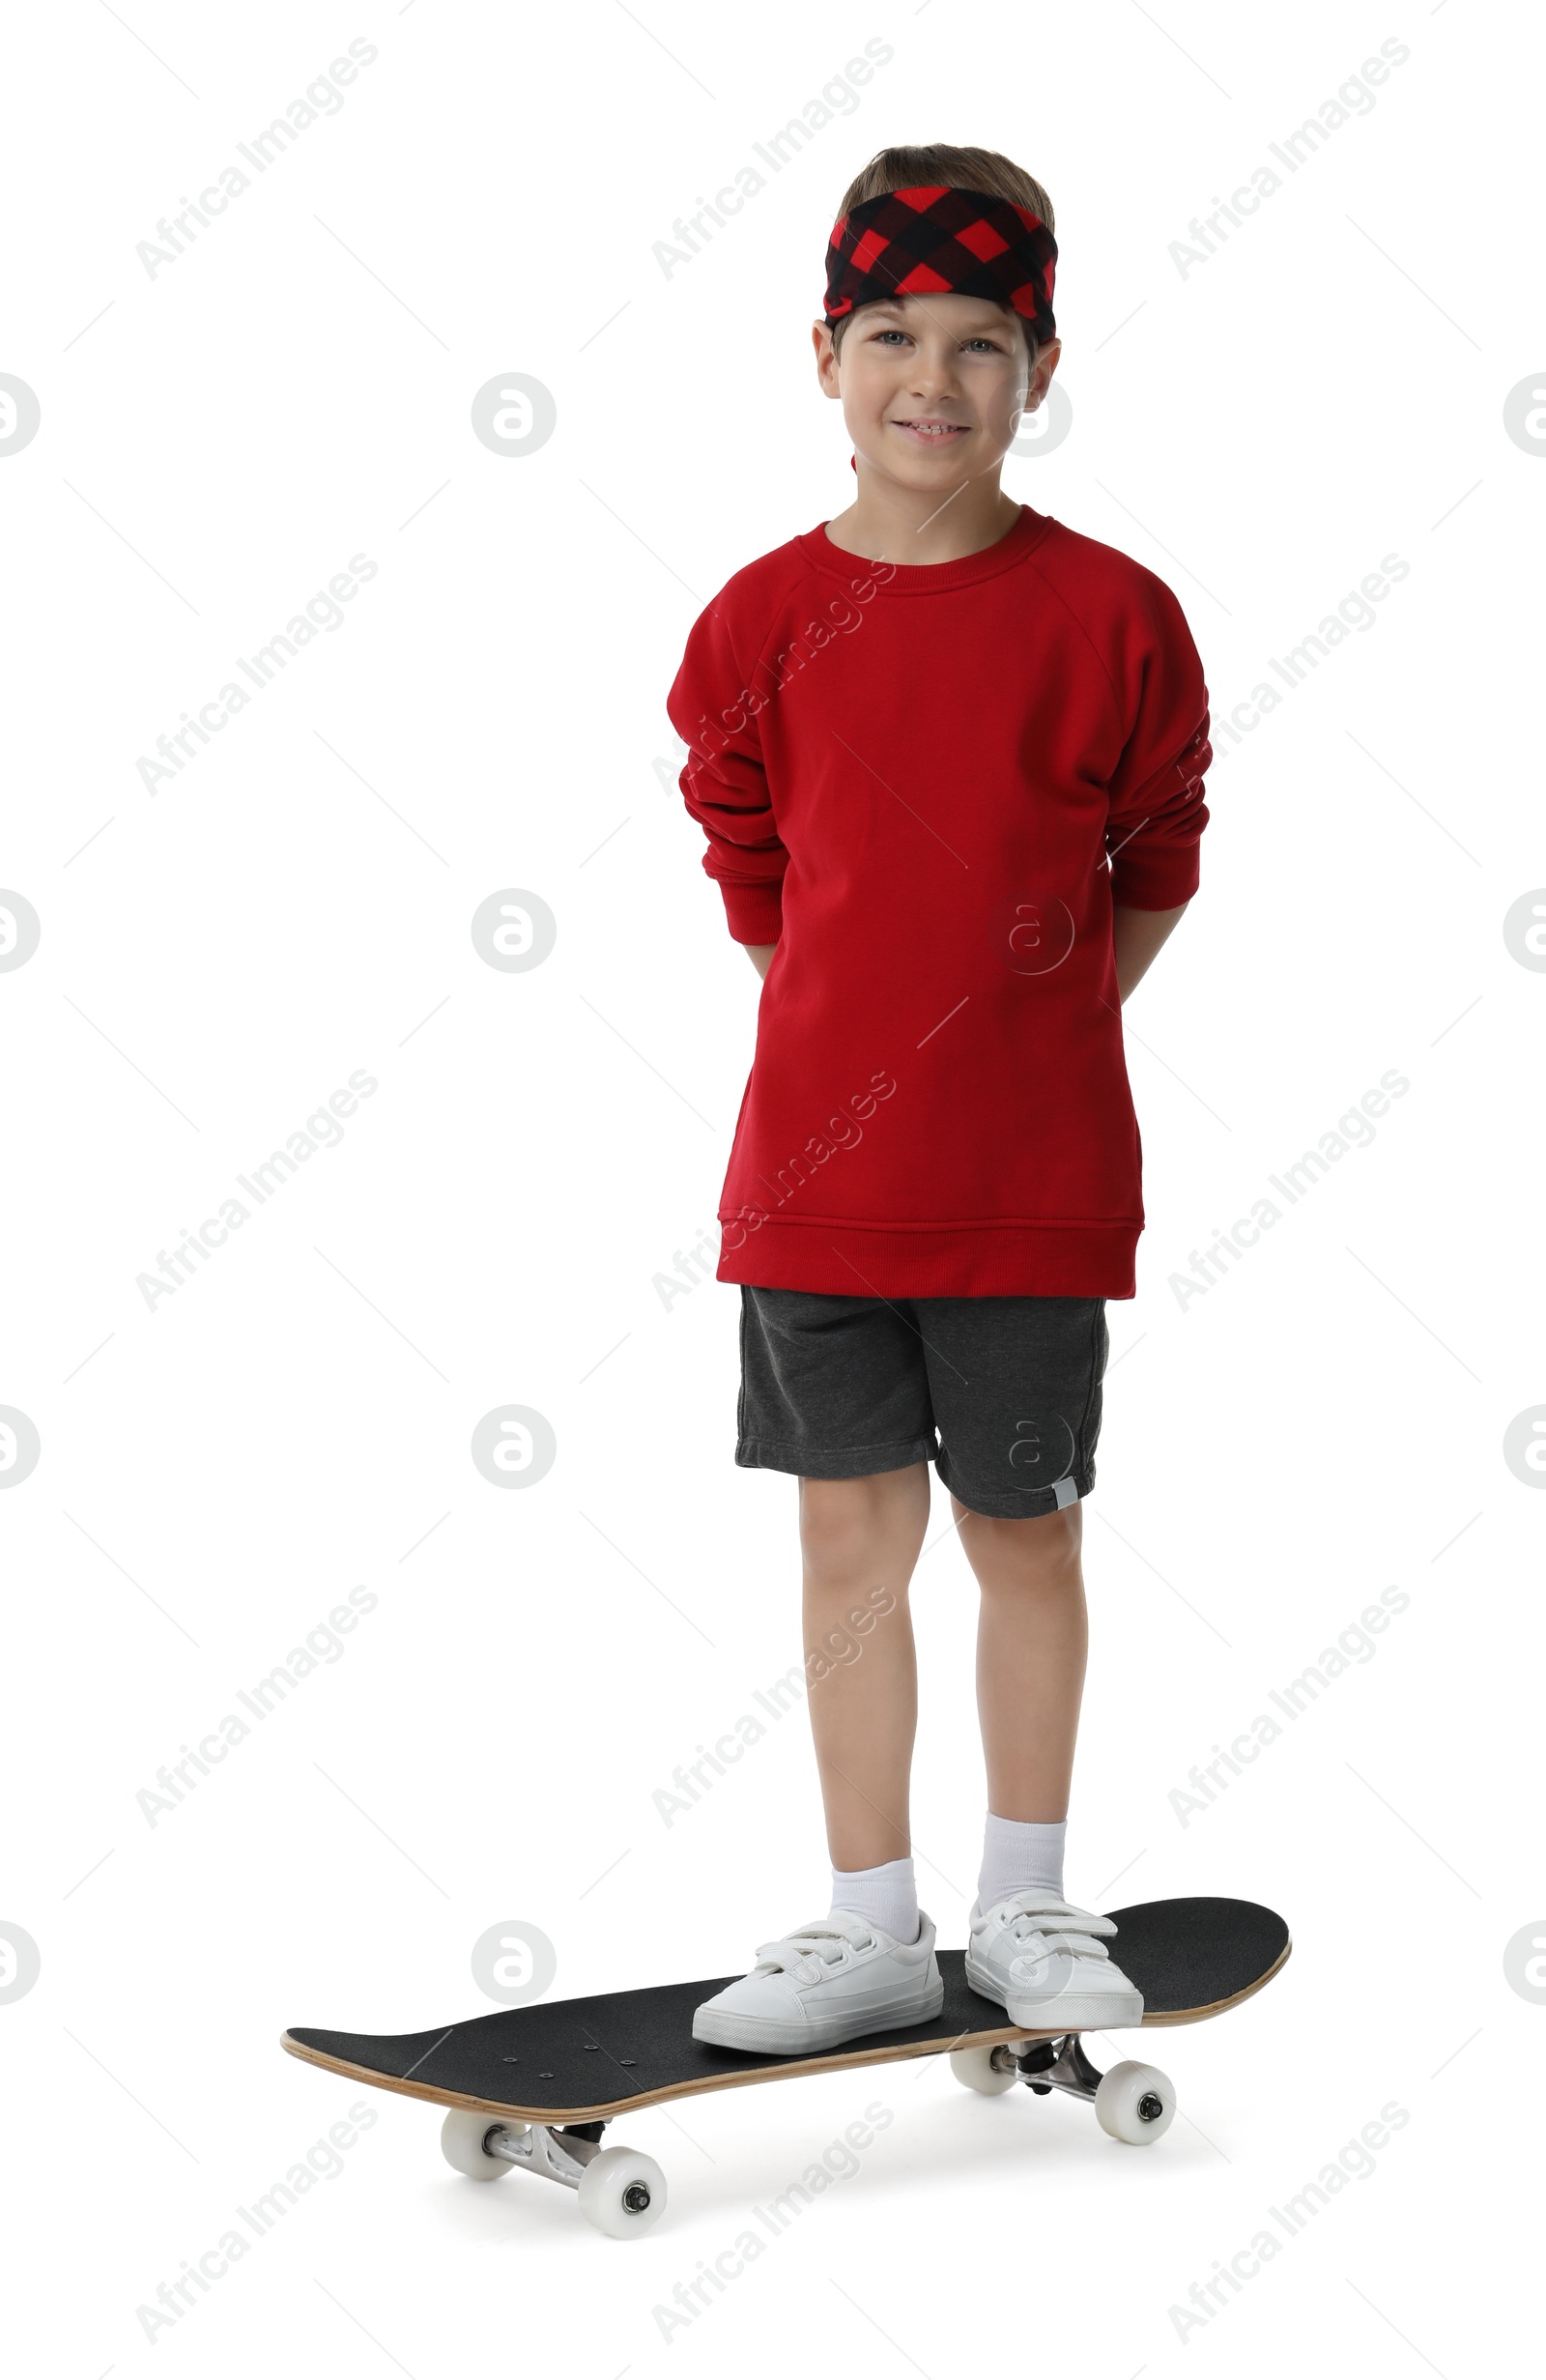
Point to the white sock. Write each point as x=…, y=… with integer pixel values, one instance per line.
x=887, y=1896
x=1017, y=1852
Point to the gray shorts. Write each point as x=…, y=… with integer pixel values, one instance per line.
x=1002, y=1394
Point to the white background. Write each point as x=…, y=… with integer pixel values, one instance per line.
x=216, y=441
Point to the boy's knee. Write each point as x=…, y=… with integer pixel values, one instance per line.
x=842, y=1520
x=1045, y=1545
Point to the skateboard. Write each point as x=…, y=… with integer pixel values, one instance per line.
x=537, y=2086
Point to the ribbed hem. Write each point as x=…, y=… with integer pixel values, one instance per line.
x=1162, y=877
x=990, y=1260
x=754, y=912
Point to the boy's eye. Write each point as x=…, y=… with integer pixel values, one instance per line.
x=981, y=340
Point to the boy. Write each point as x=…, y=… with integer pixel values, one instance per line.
x=948, y=757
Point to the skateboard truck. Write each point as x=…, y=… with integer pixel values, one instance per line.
x=1056, y=2065
x=1133, y=2103
x=620, y=2190
x=560, y=2151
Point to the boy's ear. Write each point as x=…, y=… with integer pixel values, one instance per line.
x=826, y=361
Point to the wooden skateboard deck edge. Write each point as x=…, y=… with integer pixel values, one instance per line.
x=832, y=2061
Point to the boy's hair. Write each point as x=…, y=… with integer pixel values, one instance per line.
x=938, y=165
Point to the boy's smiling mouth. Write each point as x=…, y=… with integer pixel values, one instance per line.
x=930, y=430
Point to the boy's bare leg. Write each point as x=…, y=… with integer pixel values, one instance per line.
x=1032, y=1639
x=857, y=1537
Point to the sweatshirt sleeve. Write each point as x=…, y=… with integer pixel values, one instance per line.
x=1155, y=812
x=725, y=782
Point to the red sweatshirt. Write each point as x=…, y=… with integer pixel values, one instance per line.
x=928, y=785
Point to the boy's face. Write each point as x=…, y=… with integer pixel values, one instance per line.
x=932, y=388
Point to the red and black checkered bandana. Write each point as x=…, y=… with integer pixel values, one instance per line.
x=908, y=242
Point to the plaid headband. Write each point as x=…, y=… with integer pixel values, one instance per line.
x=908, y=242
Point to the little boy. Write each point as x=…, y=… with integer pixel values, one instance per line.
x=948, y=755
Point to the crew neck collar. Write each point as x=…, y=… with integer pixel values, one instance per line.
x=928, y=578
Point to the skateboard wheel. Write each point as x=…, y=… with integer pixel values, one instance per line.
x=1135, y=2102
x=976, y=2069
x=462, y=2138
x=622, y=2193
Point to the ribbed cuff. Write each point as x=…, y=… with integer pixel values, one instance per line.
x=754, y=912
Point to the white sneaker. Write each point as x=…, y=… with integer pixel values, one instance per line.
x=825, y=1984
x=1044, y=1963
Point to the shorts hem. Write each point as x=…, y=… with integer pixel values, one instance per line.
x=1030, y=1506
x=831, y=1462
